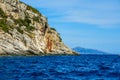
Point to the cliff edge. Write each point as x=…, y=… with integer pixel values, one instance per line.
x=24, y=31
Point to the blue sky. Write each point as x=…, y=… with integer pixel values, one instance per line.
x=87, y=23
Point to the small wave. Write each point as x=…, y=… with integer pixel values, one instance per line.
x=83, y=67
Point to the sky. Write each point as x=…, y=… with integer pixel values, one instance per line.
x=86, y=23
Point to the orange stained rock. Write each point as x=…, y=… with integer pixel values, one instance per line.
x=49, y=44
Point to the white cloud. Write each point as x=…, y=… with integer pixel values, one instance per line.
x=100, y=12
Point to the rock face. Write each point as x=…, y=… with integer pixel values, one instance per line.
x=23, y=31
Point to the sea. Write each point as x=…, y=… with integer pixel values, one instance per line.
x=82, y=67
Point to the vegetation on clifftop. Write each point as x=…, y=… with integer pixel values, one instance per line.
x=33, y=9
x=53, y=29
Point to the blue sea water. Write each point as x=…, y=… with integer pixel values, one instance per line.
x=83, y=67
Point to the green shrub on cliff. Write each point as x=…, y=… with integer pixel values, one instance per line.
x=3, y=25
x=53, y=29
x=33, y=9
x=30, y=28
x=36, y=19
x=22, y=22
x=60, y=39
x=2, y=14
x=19, y=30
x=26, y=23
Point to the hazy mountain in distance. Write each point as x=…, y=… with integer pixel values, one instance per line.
x=88, y=51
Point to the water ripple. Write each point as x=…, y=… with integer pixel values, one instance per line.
x=84, y=67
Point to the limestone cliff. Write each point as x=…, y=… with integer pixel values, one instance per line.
x=23, y=31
